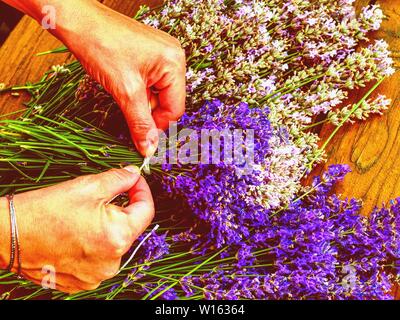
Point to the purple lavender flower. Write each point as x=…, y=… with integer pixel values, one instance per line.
x=319, y=248
x=170, y=294
x=155, y=247
x=216, y=193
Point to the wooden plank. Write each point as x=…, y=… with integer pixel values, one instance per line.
x=19, y=63
x=9, y=18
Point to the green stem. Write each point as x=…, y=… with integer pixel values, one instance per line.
x=344, y=120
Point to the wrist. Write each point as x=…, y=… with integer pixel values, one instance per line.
x=76, y=20
x=4, y=234
x=70, y=16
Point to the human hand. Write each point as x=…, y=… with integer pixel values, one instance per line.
x=141, y=67
x=72, y=228
x=129, y=59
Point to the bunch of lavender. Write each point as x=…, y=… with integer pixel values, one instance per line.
x=298, y=58
x=319, y=248
x=230, y=192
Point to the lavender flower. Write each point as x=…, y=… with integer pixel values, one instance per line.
x=319, y=248
x=233, y=204
x=298, y=59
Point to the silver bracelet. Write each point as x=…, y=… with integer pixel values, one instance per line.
x=15, y=245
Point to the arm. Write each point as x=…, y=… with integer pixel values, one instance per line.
x=72, y=228
x=127, y=58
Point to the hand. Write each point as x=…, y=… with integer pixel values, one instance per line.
x=127, y=57
x=130, y=59
x=71, y=227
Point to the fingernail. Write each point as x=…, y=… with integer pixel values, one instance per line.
x=153, y=145
x=149, y=147
x=132, y=169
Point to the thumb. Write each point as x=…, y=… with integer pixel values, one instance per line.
x=116, y=181
x=141, y=208
x=140, y=121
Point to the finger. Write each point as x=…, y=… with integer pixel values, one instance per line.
x=64, y=283
x=172, y=96
x=140, y=122
x=84, y=280
x=67, y=290
x=116, y=181
x=141, y=208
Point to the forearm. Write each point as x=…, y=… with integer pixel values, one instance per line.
x=73, y=18
x=4, y=234
x=34, y=8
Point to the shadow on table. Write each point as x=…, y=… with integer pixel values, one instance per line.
x=9, y=17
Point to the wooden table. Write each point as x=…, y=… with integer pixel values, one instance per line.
x=371, y=148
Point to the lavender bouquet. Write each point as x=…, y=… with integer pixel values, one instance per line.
x=268, y=68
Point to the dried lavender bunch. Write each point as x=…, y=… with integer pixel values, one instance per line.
x=372, y=106
x=298, y=58
x=227, y=195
